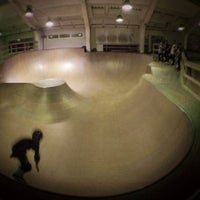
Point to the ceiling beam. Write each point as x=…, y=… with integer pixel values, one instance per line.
x=193, y=22
x=190, y=27
x=31, y=23
x=143, y=24
x=149, y=12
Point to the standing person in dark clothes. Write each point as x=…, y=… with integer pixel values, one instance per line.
x=178, y=57
x=163, y=51
x=19, y=151
x=167, y=52
x=160, y=48
x=173, y=52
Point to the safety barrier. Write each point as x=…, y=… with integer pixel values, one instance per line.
x=10, y=49
x=191, y=75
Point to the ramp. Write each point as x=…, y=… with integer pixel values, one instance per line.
x=107, y=131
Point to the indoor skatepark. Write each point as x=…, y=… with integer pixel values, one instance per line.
x=108, y=131
x=100, y=99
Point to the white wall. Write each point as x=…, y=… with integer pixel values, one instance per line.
x=99, y=36
x=115, y=36
x=71, y=42
x=106, y=35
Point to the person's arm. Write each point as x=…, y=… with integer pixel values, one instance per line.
x=37, y=156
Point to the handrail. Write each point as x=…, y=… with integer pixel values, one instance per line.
x=189, y=63
x=191, y=75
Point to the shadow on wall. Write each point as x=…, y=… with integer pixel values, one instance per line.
x=19, y=151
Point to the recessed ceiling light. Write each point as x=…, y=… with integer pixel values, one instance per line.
x=49, y=24
x=181, y=28
x=127, y=6
x=29, y=12
x=119, y=19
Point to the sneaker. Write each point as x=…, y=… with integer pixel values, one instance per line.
x=19, y=178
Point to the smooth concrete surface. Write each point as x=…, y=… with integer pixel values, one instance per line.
x=107, y=131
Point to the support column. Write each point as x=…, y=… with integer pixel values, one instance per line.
x=38, y=38
x=87, y=25
x=187, y=34
x=87, y=36
x=190, y=28
x=93, y=38
x=142, y=36
x=145, y=21
x=185, y=40
x=150, y=44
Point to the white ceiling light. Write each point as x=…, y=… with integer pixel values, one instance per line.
x=127, y=6
x=119, y=19
x=49, y=24
x=29, y=11
x=181, y=28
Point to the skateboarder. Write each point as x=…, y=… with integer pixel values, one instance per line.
x=19, y=151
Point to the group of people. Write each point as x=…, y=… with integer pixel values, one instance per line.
x=170, y=54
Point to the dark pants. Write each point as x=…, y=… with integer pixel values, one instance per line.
x=172, y=57
x=24, y=167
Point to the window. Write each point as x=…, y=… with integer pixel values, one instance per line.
x=64, y=35
x=53, y=36
x=77, y=34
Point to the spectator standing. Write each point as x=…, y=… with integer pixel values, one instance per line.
x=160, y=50
x=178, y=57
x=167, y=52
x=173, y=52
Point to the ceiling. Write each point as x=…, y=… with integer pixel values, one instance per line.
x=163, y=15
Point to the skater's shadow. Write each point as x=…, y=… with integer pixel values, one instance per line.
x=19, y=151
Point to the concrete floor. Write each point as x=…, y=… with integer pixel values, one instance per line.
x=107, y=129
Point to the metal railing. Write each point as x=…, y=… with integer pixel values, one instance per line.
x=191, y=74
x=8, y=50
